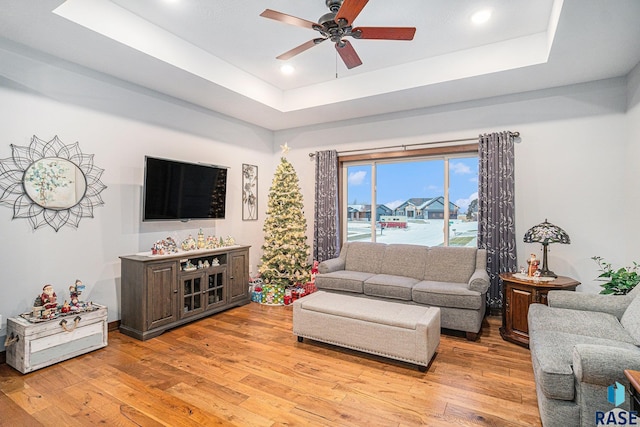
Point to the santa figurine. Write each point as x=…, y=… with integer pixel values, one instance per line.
x=49, y=297
x=314, y=271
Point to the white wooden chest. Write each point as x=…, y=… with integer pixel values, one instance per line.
x=36, y=345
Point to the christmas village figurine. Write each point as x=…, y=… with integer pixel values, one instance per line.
x=201, y=242
x=211, y=242
x=167, y=246
x=189, y=244
x=170, y=246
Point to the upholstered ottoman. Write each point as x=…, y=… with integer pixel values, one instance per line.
x=409, y=333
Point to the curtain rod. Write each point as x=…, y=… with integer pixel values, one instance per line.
x=404, y=146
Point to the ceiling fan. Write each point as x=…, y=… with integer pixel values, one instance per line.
x=338, y=24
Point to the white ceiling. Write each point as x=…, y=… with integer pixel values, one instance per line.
x=220, y=54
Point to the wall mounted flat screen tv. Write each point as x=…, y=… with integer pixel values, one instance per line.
x=182, y=191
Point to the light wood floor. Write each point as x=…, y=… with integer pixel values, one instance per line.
x=244, y=367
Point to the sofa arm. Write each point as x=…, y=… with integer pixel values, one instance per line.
x=612, y=304
x=600, y=365
x=479, y=281
x=331, y=265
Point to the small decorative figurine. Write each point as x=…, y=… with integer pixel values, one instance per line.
x=38, y=307
x=229, y=241
x=314, y=271
x=210, y=243
x=75, y=291
x=49, y=297
x=189, y=243
x=65, y=307
x=201, y=242
x=200, y=264
x=206, y=263
x=189, y=266
x=533, y=265
x=170, y=246
x=215, y=262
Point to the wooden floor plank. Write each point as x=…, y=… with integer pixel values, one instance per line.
x=245, y=367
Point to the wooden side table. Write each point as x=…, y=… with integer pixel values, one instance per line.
x=634, y=380
x=518, y=295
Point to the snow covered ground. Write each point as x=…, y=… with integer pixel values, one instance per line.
x=418, y=232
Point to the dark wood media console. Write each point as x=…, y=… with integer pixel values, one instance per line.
x=158, y=294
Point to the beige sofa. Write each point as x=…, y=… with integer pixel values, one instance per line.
x=453, y=279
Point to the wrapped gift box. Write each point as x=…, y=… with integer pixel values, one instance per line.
x=256, y=296
x=272, y=295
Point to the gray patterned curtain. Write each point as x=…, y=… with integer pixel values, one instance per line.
x=496, y=209
x=326, y=230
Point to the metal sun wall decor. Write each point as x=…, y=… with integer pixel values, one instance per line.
x=249, y=192
x=50, y=183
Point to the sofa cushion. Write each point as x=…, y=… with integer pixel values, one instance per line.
x=365, y=257
x=631, y=319
x=588, y=323
x=552, y=356
x=404, y=260
x=388, y=286
x=450, y=264
x=343, y=280
x=446, y=294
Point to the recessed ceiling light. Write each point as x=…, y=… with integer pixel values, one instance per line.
x=287, y=69
x=481, y=16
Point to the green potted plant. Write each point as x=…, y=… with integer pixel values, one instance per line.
x=618, y=282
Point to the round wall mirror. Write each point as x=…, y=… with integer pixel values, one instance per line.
x=50, y=183
x=54, y=183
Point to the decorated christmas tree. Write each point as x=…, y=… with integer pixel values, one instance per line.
x=286, y=253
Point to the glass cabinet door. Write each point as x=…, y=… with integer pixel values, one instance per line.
x=215, y=292
x=192, y=297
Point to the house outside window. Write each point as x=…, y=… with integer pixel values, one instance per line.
x=409, y=197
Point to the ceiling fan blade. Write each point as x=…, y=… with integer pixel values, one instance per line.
x=384, y=33
x=288, y=19
x=296, y=50
x=348, y=54
x=349, y=10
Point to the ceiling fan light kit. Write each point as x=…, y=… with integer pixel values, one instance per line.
x=335, y=26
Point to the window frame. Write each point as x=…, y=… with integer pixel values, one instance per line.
x=444, y=153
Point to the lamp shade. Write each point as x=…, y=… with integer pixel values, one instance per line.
x=546, y=233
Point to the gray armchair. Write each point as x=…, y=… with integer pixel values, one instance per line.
x=580, y=345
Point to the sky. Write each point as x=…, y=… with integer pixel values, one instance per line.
x=397, y=182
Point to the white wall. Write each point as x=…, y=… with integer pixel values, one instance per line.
x=88, y=113
x=631, y=187
x=570, y=162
